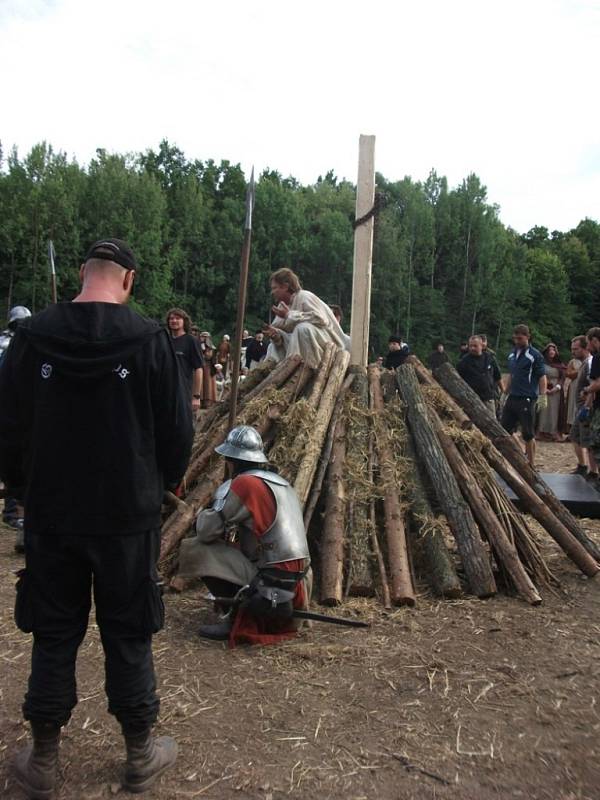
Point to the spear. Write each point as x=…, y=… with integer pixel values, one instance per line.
x=51, y=254
x=241, y=307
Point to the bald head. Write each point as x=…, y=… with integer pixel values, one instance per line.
x=105, y=282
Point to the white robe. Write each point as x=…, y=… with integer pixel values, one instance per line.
x=308, y=327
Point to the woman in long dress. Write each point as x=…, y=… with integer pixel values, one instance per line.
x=209, y=383
x=551, y=420
x=571, y=373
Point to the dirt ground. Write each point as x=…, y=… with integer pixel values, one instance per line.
x=465, y=700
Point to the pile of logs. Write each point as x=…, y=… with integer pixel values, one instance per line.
x=396, y=473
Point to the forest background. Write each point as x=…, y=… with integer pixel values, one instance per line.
x=444, y=265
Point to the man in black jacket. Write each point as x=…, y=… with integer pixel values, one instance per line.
x=480, y=370
x=94, y=425
x=398, y=352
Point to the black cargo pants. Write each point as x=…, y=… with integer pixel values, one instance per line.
x=53, y=602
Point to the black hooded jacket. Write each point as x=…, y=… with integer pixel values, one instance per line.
x=93, y=420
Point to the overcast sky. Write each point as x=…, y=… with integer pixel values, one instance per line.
x=508, y=89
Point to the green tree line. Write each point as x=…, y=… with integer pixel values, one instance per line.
x=444, y=265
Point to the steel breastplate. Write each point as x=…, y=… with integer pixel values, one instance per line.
x=285, y=540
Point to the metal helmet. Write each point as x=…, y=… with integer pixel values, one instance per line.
x=243, y=443
x=17, y=314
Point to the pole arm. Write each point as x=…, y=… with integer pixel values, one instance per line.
x=241, y=307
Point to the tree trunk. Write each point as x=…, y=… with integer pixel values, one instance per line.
x=429, y=537
x=316, y=391
x=426, y=379
x=314, y=444
x=202, y=453
x=506, y=444
x=268, y=373
x=538, y=509
x=332, y=540
x=460, y=519
x=505, y=550
x=360, y=576
x=402, y=589
x=317, y=485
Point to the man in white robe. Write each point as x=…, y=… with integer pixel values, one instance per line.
x=303, y=323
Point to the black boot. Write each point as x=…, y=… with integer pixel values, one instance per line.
x=35, y=765
x=218, y=632
x=147, y=759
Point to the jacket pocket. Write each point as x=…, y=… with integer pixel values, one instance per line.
x=154, y=607
x=24, y=611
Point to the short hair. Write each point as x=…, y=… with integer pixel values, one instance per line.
x=593, y=333
x=581, y=341
x=476, y=336
x=285, y=277
x=482, y=336
x=397, y=339
x=336, y=309
x=521, y=330
x=179, y=312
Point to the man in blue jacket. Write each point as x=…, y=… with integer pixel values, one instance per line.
x=526, y=387
x=93, y=426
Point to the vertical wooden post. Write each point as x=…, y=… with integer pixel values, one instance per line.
x=363, y=254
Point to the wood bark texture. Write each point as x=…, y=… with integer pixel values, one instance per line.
x=332, y=540
x=402, y=588
x=504, y=549
x=506, y=444
x=464, y=529
x=538, y=509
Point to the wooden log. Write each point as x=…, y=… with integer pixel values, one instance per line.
x=314, y=397
x=506, y=444
x=201, y=458
x=179, y=522
x=289, y=393
x=360, y=575
x=317, y=486
x=363, y=253
x=428, y=531
x=383, y=578
x=426, y=379
x=332, y=540
x=538, y=509
x=456, y=509
x=254, y=378
x=402, y=589
x=505, y=551
x=314, y=444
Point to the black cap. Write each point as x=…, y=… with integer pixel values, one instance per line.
x=113, y=250
x=397, y=339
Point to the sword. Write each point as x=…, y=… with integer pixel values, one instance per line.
x=229, y=602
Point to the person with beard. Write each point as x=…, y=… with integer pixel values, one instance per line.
x=188, y=353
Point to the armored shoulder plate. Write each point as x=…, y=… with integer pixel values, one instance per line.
x=269, y=477
x=221, y=496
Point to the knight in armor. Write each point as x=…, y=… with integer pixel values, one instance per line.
x=252, y=536
x=13, y=513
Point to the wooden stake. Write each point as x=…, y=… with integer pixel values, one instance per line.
x=505, y=550
x=464, y=529
x=363, y=254
x=314, y=444
x=241, y=307
x=402, y=589
x=332, y=540
x=506, y=444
